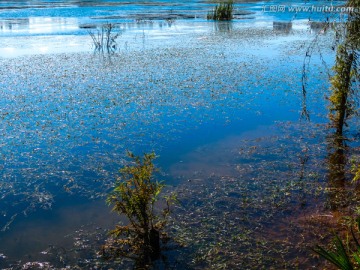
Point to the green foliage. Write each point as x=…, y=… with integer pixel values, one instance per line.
x=222, y=12
x=339, y=257
x=134, y=196
x=355, y=169
x=343, y=256
x=356, y=174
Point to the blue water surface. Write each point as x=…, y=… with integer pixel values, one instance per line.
x=176, y=82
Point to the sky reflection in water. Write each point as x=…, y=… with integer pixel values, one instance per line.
x=67, y=119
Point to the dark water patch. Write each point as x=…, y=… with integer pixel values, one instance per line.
x=147, y=16
x=30, y=237
x=265, y=197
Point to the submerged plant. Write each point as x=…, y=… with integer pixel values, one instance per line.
x=222, y=12
x=134, y=196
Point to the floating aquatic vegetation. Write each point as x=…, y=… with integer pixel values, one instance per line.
x=66, y=120
x=63, y=126
x=268, y=213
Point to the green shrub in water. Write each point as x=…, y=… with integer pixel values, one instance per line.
x=134, y=196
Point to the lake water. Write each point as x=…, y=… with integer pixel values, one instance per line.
x=56, y=23
x=220, y=103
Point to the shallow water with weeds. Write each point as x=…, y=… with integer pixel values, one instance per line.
x=221, y=106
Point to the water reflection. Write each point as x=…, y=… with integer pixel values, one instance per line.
x=15, y=24
x=337, y=161
x=317, y=27
x=47, y=25
x=38, y=25
x=341, y=108
x=223, y=26
x=282, y=27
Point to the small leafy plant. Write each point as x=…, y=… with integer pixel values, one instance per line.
x=134, y=196
x=222, y=12
x=343, y=256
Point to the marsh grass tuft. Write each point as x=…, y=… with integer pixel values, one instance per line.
x=222, y=12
